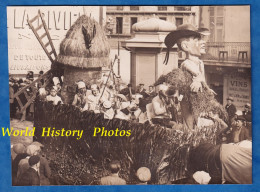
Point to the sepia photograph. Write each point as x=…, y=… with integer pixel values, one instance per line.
x=129, y=95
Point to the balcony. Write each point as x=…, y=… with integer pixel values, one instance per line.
x=229, y=53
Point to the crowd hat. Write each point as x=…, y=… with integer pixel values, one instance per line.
x=143, y=174
x=201, y=177
x=31, y=149
x=19, y=148
x=107, y=104
x=230, y=98
x=241, y=118
x=185, y=30
x=94, y=87
x=248, y=105
x=81, y=85
x=33, y=160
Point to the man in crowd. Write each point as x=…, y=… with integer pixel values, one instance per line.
x=80, y=99
x=114, y=178
x=31, y=176
x=151, y=92
x=231, y=109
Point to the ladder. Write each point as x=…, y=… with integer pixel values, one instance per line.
x=46, y=77
x=43, y=36
x=42, y=28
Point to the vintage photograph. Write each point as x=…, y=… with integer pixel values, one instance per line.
x=129, y=95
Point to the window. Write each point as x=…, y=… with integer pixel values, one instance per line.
x=216, y=23
x=119, y=25
x=182, y=8
x=163, y=18
x=179, y=21
x=133, y=21
x=134, y=8
x=162, y=8
x=119, y=8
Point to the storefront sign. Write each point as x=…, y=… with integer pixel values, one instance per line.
x=240, y=89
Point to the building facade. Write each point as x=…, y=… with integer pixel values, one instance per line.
x=120, y=20
x=228, y=58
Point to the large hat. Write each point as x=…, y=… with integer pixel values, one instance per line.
x=143, y=174
x=185, y=30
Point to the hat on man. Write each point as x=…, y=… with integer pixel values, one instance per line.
x=94, y=87
x=204, y=31
x=19, y=148
x=33, y=160
x=248, y=105
x=230, y=98
x=143, y=174
x=31, y=149
x=241, y=118
x=107, y=104
x=81, y=85
x=185, y=30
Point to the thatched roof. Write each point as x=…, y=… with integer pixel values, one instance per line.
x=85, y=45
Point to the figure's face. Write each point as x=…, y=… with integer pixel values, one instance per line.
x=239, y=123
x=53, y=93
x=202, y=43
x=150, y=89
x=229, y=102
x=95, y=92
x=192, y=46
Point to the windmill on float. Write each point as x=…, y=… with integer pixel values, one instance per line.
x=83, y=53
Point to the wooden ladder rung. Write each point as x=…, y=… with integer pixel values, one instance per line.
x=34, y=19
x=42, y=36
x=39, y=27
x=47, y=44
x=51, y=52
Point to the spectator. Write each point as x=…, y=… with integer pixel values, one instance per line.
x=151, y=92
x=108, y=110
x=94, y=99
x=114, y=178
x=31, y=177
x=247, y=113
x=80, y=99
x=53, y=97
x=23, y=164
x=144, y=175
x=230, y=108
